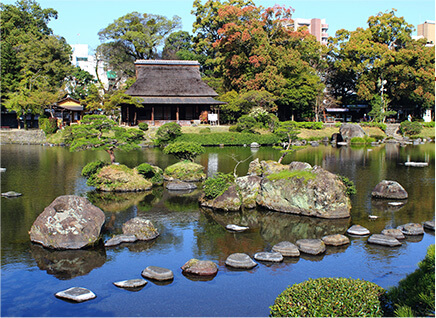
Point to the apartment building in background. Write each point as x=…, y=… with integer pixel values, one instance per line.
x=426, y=30
x=316, y=27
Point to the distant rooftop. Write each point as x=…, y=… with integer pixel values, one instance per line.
x=166, y=62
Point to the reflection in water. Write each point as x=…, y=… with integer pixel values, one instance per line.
x=67, y=264
x=116, y=201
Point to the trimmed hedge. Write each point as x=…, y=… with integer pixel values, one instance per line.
x=330, y=297
x=382, y=126
x=229, y=139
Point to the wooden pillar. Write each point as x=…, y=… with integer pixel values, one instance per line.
x=177, y=113
x=152, y=113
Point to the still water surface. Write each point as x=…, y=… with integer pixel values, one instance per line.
x=31, y=275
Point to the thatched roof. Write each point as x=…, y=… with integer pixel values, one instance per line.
x=170, y=82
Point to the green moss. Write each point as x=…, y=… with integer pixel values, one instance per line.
x=185, y=170
x=289, y=174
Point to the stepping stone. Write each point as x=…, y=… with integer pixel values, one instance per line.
x=411, y=229
x=118, y=239
x=11, y=194
x=157, y=273
x=236, y=228
x=240, y=260
x=396, y=203
x=311, y=246
x=77, y=294
x=180, y=186
x=416, y=164
x=2, y=169
x=268, y=257
x=202, y=268
x=396, y=233
x=335, y=240
x=385, y=240
x=358, y=230
x=429, y=225
x=131, y=283
x=286, y=249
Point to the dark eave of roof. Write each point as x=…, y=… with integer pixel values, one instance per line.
x=178, y=100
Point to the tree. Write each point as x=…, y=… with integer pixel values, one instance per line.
x=97, y=132
x=184, y=150
x=287, y=131
x=78, y=83
x=179, y=46
x=168, y=132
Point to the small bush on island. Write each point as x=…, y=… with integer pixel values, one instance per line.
x=143, y=126
x=330, y=297
x=92, y=168
x=410, y=128
x=215, y=186
x=415, y=295
x=184, y=150
x=154, y=174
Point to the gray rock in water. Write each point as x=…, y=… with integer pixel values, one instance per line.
x=202, y=268
x=2, y=169
x=77, y=294
x=396, y=204
x=311, y=246
x=254, y=145
x=358, y=230
x=11, y=194
x=411, y=229
x=416, y=164
x=240, y=260
x=429, y=225
x=118, y=239
x=157, y=273
x=180, y=186
x=385, y=240
x=131, y=283
x=335, y=240
x=69, y=222
x=286, y=249
x=349, y=131
x=143, y=229
x=396, y=233
x=268, y=257
x=386, y=189
x=299, y=165
x=236, y=228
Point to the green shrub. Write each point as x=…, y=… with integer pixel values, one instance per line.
x=233, y=128
x=360, y=140
x=410, y=128
x=205, y=130
x=184, y=150
x=351, y=188
x=329, y=297
x=168, y=132
x=417, y=291
x=310, y=125
x=382, y=126
x=92, y=168
x=229, y=139
x=48, y=125
x=143, y=126
x=246, y=124
x=154, y=174
x=217, y=185
x=377, y=137
x=428, y=125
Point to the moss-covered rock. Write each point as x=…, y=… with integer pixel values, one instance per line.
x=185, y=171
x=119, y=178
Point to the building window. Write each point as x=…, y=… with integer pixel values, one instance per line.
x=81, y=59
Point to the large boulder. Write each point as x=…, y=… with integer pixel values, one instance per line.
x=142, y=228
x=228, y=201
x=185, y=171
x=349, y=131
x=120, y=178
x=249, y=188
x=386, y=189
x=310, y=192
x=69, y=222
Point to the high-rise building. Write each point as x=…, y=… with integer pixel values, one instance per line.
x=426, y=30
x=316, y=27
x=86, y=62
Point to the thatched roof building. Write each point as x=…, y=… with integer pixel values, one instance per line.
x=170, y=91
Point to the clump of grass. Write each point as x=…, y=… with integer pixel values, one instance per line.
x=289, y=174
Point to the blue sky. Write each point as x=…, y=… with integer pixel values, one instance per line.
x=79, y=21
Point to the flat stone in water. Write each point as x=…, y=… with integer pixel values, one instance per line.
x=429, y=225
x=118, y=239
x=396, y=203
x=311, y=246
x=11, y=194
x=131, y=283
x=157, y=273
x=396, y=233
x=236, y=228
x=77, y=294
x=385, y=240
x=240, y=260
x=268, y=257
x=201, y=268
x=286, y=249
x=180, y=186
x=335, y=240
x=358, y=230
x=411, y=229
x=416, y=164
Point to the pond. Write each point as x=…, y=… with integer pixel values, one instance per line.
x=31, y=275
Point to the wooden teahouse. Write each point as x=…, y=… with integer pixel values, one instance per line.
x=169, y=90
x=68, y=111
